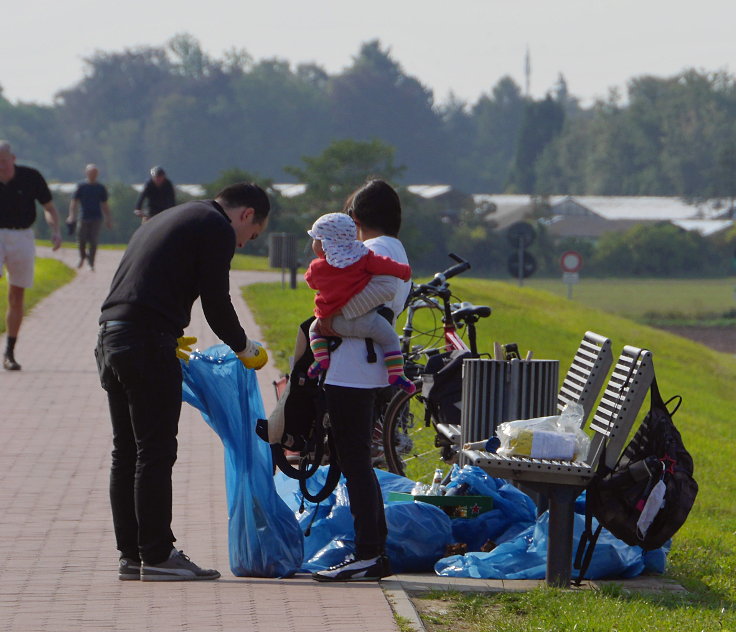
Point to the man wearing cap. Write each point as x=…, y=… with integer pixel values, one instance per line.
x=157, y=195
x=20, y=189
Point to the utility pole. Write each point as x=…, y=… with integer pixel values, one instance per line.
x=527, y=72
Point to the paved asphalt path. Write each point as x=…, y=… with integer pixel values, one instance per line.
x=58, y=562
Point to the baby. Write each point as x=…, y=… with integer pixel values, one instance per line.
x=343, y=268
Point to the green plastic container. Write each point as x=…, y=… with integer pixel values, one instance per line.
x=453, y=506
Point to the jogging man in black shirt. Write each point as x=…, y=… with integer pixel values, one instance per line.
x=177, y=256
x=20, y=189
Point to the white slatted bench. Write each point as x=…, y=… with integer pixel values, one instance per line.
x=582, y=383
x=562, y=481
x=587, y=373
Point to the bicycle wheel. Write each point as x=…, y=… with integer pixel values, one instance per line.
x=411, y=447
x=383, y=399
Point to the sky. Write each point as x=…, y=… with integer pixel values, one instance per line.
x=461, y=47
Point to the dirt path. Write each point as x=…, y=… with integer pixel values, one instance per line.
x=719, y=338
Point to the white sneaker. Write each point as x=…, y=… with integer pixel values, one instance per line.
x=352, y=570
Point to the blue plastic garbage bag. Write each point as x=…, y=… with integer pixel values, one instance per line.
x=525, y=557
x=513, y=511
x=391, y=482
x=263, y=535
x=656, y=561
x=317, y=522
x=288, y=488
x=418, y=533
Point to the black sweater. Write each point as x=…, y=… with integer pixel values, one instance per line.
x=172, y=259
x=158, y=198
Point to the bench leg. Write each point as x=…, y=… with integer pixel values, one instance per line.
x=559, y=538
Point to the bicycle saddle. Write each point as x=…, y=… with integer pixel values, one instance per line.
x=467, y=310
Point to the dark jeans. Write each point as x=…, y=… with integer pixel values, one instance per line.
x=351, y=417
x=142, y=376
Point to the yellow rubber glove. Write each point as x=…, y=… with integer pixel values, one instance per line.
x=254, y=356
x=184, y=347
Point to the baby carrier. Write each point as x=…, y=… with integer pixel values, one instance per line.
x=299, y=425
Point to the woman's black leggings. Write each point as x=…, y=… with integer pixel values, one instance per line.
x=351, y=416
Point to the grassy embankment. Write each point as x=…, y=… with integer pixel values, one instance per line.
x=703, y=557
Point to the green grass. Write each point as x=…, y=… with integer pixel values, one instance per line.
x=641, y=299
x=703, y=557
x=278, y=312
x=50, y=275
x=612, y=608
x=250, y=262
x=72, y=244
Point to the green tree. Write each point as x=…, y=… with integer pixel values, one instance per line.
x=341, y=168
x=276, y=114
x=481, y=141
x=543, y=120
x=723, y=180
x=118, y=151
x=693, y=122
x=375, y=99
x=425, y=237
x=188, y=58
x=475, y=240
x=179, y=135
x=35, y=133
x=655, y=250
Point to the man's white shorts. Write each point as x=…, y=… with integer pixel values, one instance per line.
x=18, y=254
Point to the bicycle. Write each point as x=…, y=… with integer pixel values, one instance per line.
x=417, y=434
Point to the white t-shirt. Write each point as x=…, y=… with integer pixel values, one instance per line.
x=348, y=364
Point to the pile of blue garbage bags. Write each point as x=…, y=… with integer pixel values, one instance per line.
x=274, y=532
x=419, y=533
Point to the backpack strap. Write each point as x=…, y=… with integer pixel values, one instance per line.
x=370, y=351
x=677, y=406
x=588, y=540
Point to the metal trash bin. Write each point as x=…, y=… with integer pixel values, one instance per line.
x=282, y=250
x=495, y=391
x=282, y=253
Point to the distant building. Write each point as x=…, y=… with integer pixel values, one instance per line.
x=503, y=210
x=448, y=202
x=290, y=190
x=592, y=216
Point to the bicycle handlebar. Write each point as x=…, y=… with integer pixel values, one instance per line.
x=441, y=277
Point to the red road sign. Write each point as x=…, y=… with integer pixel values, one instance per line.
x=571, y=261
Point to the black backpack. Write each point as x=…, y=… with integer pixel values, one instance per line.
x=444, y=395
x=655, y=460
x=302, y=402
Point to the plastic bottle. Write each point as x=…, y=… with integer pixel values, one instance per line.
x=436, y=488
x=419, y=489
x=458, y=490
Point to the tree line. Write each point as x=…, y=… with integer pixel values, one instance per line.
x=211, y=120
x=197, y=115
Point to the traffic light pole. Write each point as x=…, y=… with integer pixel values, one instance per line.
x=520, y=255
